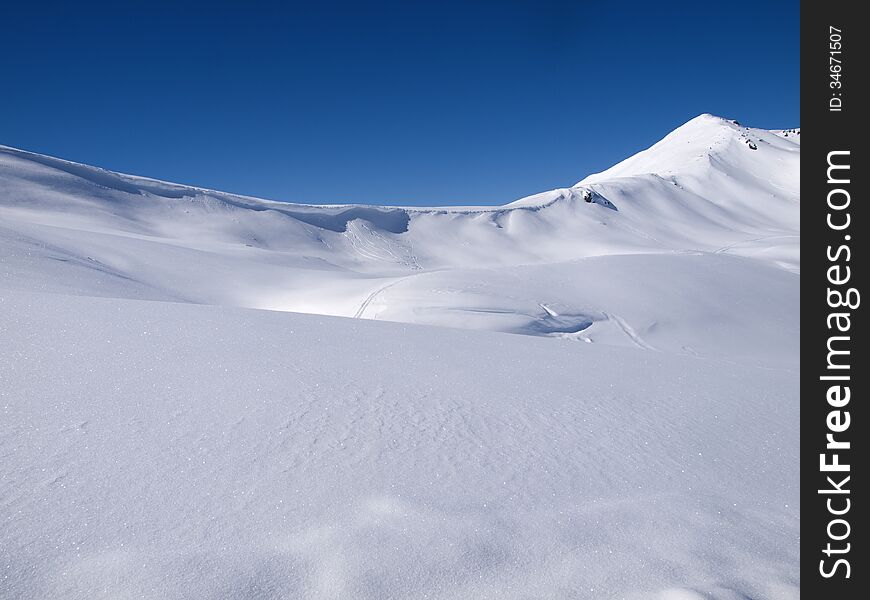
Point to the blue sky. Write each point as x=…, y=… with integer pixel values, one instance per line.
x=385, y=102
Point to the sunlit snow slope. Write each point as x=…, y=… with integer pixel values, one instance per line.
x=699, y=200
x=163, y=440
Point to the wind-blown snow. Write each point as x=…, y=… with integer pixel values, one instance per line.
x=189, y=447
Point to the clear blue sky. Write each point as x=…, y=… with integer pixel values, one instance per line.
x=384, y=102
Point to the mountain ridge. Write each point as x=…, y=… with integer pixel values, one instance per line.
x=165, y=188
x=701, y=196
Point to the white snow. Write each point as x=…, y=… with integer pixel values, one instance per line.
x=163, y=440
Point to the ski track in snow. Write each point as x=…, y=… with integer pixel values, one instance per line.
x=368, y=300
x=629, y=332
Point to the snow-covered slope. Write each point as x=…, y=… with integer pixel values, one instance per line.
x=165, y=450
x=189, y=447
x=700, y=191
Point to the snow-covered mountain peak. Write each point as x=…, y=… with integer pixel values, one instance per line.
x=702, y=142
